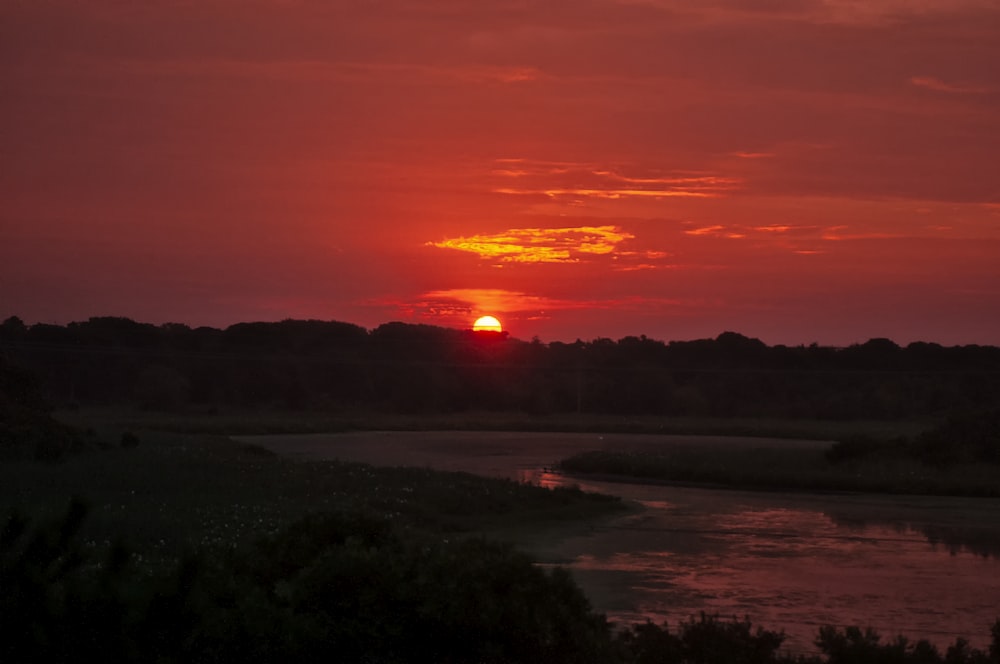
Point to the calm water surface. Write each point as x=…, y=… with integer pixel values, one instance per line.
x=922, y=567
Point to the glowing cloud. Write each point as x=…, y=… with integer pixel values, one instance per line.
x=842, y=233
x=541, y=245
x=463, y=300
x=716, y=231
x=610, y=193
x=587, y=180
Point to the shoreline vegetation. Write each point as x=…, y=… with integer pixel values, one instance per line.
x=769, y=469
x=959, y=457
x=970, y=481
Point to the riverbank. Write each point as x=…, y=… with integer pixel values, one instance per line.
x=767, y=468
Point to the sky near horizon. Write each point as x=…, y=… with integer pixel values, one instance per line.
x=794, y=170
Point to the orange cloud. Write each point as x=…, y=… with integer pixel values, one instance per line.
x=716, y=231
x=840, y=233
x=496, y=300
x=628, y=266
x=557, y=179
x=638, y=267
x=540, y=245
x=535, y=166
x=705, y=230
x=610, y=193
x=706, y=181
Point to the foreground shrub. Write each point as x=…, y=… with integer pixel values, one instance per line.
x=331, y=588
x=706, y=639
x=969, y=437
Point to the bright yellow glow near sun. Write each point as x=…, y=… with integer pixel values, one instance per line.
x=541, y=245
x=487, y=324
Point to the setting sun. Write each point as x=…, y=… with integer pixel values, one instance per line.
x=487, y=324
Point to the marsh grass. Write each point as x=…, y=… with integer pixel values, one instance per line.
x=173, y=494
x=788, y=468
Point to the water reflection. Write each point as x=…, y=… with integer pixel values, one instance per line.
x=953, y=525
x=955, y=539
x=544, y=477
x=792, y=562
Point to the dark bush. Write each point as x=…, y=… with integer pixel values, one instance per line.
x=858, y=447
x=970, y=437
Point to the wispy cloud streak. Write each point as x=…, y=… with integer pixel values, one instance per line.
x=588, y=180
x=937, y=85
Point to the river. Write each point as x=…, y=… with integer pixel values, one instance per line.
x=924, y=567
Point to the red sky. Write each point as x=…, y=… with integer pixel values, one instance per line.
x=795, y=170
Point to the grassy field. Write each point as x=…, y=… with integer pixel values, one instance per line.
x=234, y=422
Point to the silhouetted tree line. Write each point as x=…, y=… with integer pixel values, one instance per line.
x=348, y=587
x=397, y=367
